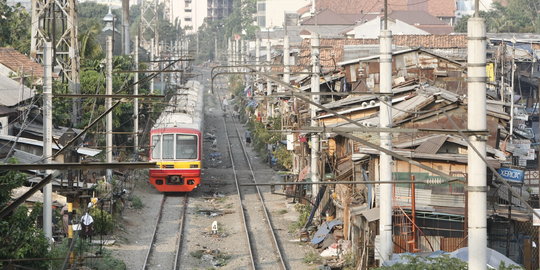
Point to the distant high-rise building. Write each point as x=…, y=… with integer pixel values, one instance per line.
x=192, y=13
x=271, y=13
x=219, y=9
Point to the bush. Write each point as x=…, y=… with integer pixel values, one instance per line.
x=303, y=211
x=136, y=202
x=103, y=221
x=83, y=248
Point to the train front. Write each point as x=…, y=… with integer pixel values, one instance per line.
x=178, y=153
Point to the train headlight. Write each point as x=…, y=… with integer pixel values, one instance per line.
x=191, y=182
x=194, y=166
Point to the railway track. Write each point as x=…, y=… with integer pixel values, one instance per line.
x=264, y=249
x=166, y=244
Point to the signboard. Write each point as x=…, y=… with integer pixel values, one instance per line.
x=513, y=175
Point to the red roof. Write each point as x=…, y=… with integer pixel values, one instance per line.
x=438, y=8
x=332, y=49
x=18, y=62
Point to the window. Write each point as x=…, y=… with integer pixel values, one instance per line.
x=261, y=21
x=168, y=146
x=156, y=146
x=261, y=6
x=186, y=146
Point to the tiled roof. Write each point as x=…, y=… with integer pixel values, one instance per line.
x=333, y=49
x=439, y=8
x=328, y=16
x=415, y=17
x=17, y=62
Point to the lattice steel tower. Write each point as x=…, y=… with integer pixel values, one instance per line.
x=56, y=21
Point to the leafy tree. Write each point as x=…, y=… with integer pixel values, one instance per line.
x=519, y=16
x=14, y=27
x=20, y=236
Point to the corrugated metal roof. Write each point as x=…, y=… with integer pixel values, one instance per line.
x=11, y=92
x=432, y=145
x=81, y=150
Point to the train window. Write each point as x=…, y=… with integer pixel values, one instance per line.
x=186, y=146
x=168, y=146
x=156, y=146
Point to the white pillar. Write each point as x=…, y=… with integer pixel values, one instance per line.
x=476, y=121
x=47, y=137
x=315, y=88
x=286, y=60
x=108, y=105
x=258, y=62
x=229, y=52
x=152, y=65
x=136, y=101
x=269, y=107
x=385, y=166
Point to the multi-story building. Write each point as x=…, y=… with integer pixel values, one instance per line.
x=219, y=9
x=193, y=13
x=271, y=13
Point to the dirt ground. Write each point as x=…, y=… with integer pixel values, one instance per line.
x=215, y=200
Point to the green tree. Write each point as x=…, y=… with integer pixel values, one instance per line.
x=519, y=16
x=20, y=236
x=14, y=27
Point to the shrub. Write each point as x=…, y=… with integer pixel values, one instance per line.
x=103, y=221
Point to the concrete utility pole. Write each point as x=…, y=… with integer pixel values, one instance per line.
x=47, y=137
x=269, y=107
x=108, y=105
x=315, y=88
x=476, y=121
x=257, y=62
x=125, y=25
x=385, y=121
x=286, y=60
x=243, y=51
x=229, y=52
x=215, y=50
x=136, y=101
x=152, y=65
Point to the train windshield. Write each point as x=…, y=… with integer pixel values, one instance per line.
x=168, y=146
x=186, y=146
x=156, y=146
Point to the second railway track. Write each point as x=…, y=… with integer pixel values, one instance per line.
x=166, y=244
x=264, y=249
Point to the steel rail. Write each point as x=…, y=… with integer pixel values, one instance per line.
x=158, y=220
x=181, y=233
x=242, y=209
x=261, y=198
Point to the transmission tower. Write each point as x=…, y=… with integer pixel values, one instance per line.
x=56, y=21
x=149, y=24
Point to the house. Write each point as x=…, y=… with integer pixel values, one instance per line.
x=442, y=9
x=16, y=65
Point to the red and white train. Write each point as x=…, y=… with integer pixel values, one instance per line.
x=176, y=141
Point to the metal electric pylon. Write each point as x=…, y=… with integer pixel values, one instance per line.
x=55, y=21
x=149, y=25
